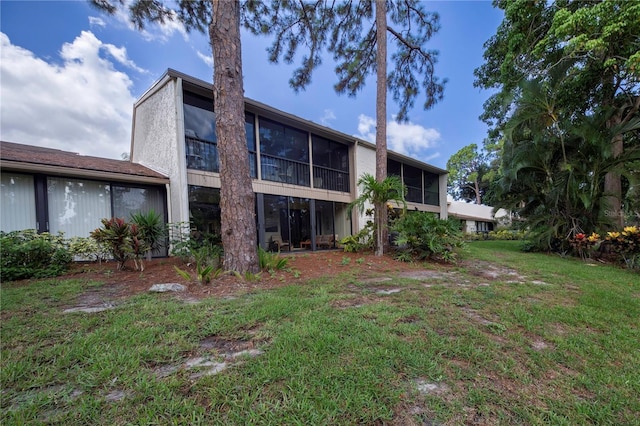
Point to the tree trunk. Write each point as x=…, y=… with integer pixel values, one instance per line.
x=238, y=222
x=612, y=181
x=381, y=121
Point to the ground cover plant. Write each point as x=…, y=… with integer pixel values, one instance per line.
x=502, y=337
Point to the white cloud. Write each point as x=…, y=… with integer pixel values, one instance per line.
x=153, y=31
x=97, y=21
x=328, y=117
x=83, y=105
x=207, y=59
x=409, y=139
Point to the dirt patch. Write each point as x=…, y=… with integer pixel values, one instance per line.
x=302, y=267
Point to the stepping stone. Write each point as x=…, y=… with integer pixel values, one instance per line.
x=163, y=288
x=90, y=309
x=390, y=291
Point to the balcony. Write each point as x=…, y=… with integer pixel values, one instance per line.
x=331, y=179
x=277, y=169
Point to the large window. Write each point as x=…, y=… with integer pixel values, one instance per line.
x=204, y=209
x=200, y=135
x=77, y=206
x=18, y=206
x=422, y=186
x=431, y=189
x=287, y=222
x=413, y=182
x=284, y=153
x=330, y=165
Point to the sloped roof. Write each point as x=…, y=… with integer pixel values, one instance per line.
x=54, y=161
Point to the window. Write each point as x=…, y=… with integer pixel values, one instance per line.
x=204, y=209
x=413, y=182
x=76, y=207
x=284, y=153
x=330, y=165
x=394, y=168
x=18, y=206
x=200, y=135
x=431, y=189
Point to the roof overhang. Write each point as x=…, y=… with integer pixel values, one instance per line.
x=53, y=170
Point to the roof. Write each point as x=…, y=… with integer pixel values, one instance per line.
x=271, y=112
x=30, y=158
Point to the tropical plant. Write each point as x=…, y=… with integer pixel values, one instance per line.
x=361, y=240
x=270, y=261
x=555, y=165
x=151, y=229
x=379, y=193
x=425, y=236
x=589, y=54
x=115, y=235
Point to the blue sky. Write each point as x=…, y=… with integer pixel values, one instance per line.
x=69, y=75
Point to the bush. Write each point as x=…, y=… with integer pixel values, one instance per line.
x=27, y=254
x=501, y=234
x=424, y=236
x=361, y=241
x=122, y=240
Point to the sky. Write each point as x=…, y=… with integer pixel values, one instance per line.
x=69, y=75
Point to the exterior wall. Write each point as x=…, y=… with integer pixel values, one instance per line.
x=444, y=208
x=365, y=163
x=158, y=132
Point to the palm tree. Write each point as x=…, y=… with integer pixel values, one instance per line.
x=379, y=193
x=554, y=166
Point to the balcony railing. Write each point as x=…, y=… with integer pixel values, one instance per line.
x=278, y=169
x=331, y=179
x=203, y=155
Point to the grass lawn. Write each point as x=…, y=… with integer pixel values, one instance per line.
x=503, y=338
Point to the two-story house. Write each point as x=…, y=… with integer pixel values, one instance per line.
x=304, y=174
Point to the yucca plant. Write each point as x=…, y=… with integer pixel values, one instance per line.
x=151, y=229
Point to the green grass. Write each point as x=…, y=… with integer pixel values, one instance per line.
x=548, y=340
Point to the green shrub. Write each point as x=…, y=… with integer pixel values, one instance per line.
x=424, y=236
x=501, y=234
x=27, y=254
x=271, y=261
x=361, y=241
x=86, y=248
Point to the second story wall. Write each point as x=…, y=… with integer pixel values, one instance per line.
x=158, y=133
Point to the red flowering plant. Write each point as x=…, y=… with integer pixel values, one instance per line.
x=583, y=243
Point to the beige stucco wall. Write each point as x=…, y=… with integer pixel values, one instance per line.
x=158, y=131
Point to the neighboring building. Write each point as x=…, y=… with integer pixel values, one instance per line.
x=304, y=174
x=57, y=191
x=477, y=218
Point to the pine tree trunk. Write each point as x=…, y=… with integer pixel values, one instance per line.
x=238, y=223
x=381, y=121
